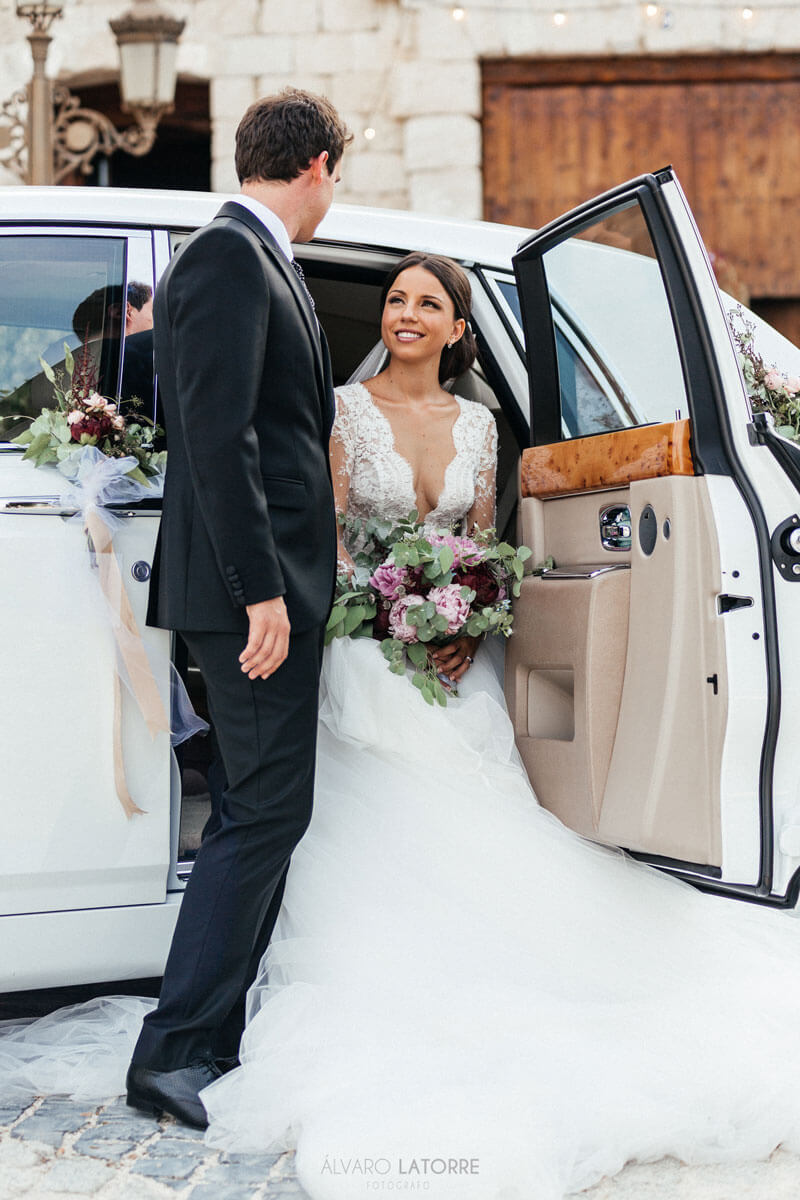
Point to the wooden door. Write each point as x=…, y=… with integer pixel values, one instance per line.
x=558, y=131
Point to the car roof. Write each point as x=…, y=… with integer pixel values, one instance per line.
x=479, y=241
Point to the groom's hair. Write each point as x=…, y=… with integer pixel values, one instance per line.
x=279, y=135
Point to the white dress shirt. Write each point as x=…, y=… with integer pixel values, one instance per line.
x=268, y=218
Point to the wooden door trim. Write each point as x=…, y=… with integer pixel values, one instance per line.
x=689, y=68
x=607, y=460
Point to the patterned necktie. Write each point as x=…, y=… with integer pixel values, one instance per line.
x=301, y=276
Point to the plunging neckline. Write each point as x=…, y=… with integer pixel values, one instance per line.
x=402, y=458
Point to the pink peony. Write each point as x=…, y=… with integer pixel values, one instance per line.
x=792, y=384
x=464, y=549
x=397, y=619
x=773, y=380
x=389, y=579
x=451, y=604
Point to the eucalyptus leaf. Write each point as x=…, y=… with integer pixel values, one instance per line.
x=338, y=615
x=417, y=653
x=47, y=369
x=355, y=615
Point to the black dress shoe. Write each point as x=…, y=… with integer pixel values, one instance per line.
x=175, y=1092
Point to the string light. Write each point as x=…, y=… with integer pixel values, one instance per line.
x=369, y=133
x=559, y=18
x=499, y=8
x=458, y=14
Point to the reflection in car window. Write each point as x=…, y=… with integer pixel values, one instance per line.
x=588, y=402
x=607, y=293
x=56, y=290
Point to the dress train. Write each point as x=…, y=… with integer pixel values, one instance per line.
x=463, y=997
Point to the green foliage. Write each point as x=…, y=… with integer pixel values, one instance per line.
x=769, y=389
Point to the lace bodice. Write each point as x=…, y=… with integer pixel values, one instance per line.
x=371, y=478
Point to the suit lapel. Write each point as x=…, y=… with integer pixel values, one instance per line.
x=240, y=213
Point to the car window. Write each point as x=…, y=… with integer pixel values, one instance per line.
x=590, y=401
x=56, y=290
x=617, y=351
x=606, y=284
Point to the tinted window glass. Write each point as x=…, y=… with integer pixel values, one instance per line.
x=589, y=403
x=610, y=308
x=56, y=290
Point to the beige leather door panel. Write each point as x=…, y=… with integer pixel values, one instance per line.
x=616, y=681
x=663, y=789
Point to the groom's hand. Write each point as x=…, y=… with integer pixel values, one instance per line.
x=268, y=641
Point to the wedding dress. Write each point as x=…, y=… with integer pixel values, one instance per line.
x=465, y=998
x=461, y=996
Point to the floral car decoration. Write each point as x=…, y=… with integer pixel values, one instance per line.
x=82, y=417
x=769, y=389
x=412, y=588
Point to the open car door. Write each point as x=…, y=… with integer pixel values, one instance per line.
x=643, y=677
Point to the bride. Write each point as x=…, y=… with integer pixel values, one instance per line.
x=461, y=996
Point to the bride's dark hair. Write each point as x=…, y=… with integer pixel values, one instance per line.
x=458, y=358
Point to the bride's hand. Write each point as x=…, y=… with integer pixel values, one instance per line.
x=454, y=659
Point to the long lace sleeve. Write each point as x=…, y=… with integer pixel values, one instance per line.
x=341, y=452
x=482, y=512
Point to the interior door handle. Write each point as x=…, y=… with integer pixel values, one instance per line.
x=615, y=527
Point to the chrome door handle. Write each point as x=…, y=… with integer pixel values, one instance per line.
x=615, y=527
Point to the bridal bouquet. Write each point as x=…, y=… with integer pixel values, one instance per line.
x=412, y=589
x=82, y=417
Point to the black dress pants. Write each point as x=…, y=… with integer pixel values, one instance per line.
x=267, y=732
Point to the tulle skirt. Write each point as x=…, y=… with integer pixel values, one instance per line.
x=464, y=999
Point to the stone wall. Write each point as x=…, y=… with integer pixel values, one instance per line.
x=404, y=73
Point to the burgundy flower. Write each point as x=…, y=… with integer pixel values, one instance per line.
x=380, y=626
x=95, y=426
x=482, y=583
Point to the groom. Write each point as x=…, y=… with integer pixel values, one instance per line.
x=244, y=566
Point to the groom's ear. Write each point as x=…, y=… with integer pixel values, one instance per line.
x=318, y=167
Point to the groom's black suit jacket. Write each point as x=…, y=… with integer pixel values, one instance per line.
x=245, y=383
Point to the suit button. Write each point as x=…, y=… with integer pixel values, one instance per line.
x=230, y=572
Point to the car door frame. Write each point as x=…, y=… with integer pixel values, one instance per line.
x=714, y=446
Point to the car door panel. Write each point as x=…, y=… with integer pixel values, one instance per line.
x=563, y=681
x=668, y=780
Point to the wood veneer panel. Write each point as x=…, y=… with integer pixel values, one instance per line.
x=607, y=460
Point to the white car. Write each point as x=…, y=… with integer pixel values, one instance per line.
x=649, y=677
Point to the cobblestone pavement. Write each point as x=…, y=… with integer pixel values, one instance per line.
x=56, y=1146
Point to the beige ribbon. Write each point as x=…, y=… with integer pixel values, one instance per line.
x=131, y=651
